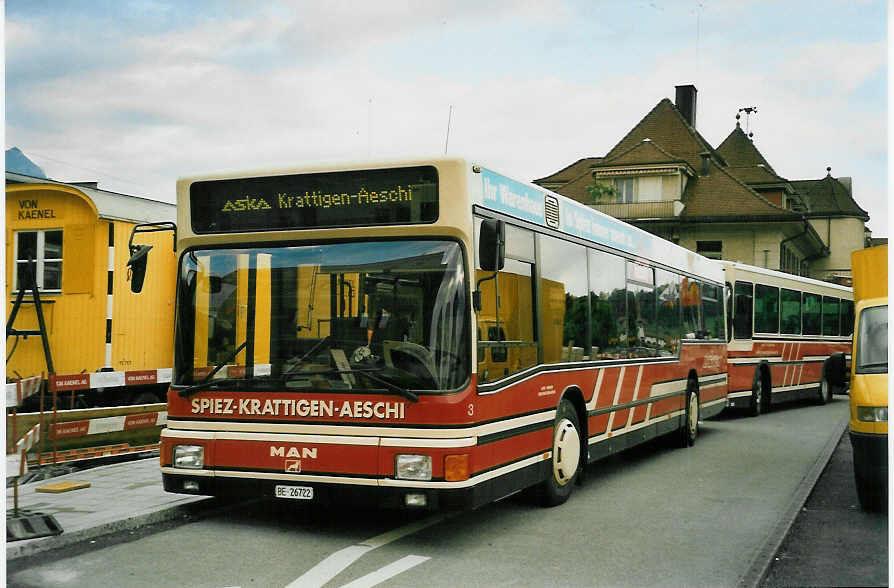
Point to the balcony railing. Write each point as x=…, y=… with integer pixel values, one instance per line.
x=641, y=210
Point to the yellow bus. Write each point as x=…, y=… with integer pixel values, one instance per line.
x=869, y=377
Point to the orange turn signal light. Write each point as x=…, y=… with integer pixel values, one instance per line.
x=456, y=467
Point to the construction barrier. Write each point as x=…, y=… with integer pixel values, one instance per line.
x=16, y=392
x=62, y=383
x=95, y=432
x=88, y=453
x=16, y=462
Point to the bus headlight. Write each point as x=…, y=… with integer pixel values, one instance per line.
x=412, y=467
x=872, y=414
x=189, y=456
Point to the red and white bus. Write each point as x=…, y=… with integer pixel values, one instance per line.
x=425, y=334
x=790, y=337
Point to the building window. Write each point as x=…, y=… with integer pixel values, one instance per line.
x=710, y=249
x=625, y=189
x=789, y=262
x=44, y=247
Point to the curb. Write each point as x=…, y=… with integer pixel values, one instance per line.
x=194, y=507
x=763, y=557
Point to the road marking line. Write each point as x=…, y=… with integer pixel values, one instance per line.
x=388, y=572
x=333, y=565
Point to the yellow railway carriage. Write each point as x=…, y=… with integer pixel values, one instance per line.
x=108, y=346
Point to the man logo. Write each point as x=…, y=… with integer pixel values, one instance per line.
x=302, y=452
x=293, y=466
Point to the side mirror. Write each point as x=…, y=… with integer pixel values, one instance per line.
x=492, y=245
x=139, y=257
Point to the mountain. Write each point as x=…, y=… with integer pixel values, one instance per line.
x=18, y=162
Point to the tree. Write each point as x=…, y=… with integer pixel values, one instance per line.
x=601, y=192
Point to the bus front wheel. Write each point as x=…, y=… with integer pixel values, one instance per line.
x=566, y=456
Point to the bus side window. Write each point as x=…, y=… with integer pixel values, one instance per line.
x=811, y=311
x=563, y=300
x=712, y=310
x=507, y=310
x=847, y=317
x=791, y=312
x=766, y=309
x=497, y=334
x=742, y=310
x=668, y=320
x=830, y=316
x=608, y=305
x=693, y=321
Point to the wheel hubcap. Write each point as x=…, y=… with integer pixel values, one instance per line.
x=693, y=415
x=566, y=452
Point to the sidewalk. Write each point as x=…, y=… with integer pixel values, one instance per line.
x=121, y=496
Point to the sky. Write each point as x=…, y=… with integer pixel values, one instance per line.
x=136, y=93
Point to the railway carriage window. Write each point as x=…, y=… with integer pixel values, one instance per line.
x=45, y=248
x=830, y=315
x=766, y=309
x=743, y=298
x=565, y=310
x=608, y=306
x=791, y=312
x=667, y=321
x=847, y=317
x=712, y=311
x=812, y=313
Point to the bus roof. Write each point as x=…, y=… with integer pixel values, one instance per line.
x=736, y=268
x=537, y=205
x=523, y=200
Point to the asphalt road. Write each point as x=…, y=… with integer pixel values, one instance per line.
x=653, y=516
x=832, y=541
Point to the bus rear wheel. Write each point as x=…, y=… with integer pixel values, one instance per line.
x=689, y=430
x=757, y=394
x=825, y=390
x=566, y=456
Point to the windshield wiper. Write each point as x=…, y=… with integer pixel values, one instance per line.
x=206, y=384
x=873, y=365
x=408, y=394
x=188, y=391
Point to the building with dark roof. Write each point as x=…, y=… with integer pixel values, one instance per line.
x=725, y=203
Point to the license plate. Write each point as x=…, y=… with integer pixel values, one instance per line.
x=294, y=492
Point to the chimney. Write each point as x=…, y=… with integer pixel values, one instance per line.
x=685, y=102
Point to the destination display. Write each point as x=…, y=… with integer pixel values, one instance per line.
x=406, y=195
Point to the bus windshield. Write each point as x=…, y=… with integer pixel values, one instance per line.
x=872, y=341
x=360, y=316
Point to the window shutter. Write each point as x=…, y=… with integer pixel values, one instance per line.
x=78, y=260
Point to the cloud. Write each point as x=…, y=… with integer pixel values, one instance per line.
x=293, y=83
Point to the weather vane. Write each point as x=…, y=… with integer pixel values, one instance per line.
x=748, y=110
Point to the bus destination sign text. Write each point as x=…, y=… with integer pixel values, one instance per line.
x=321, y=200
